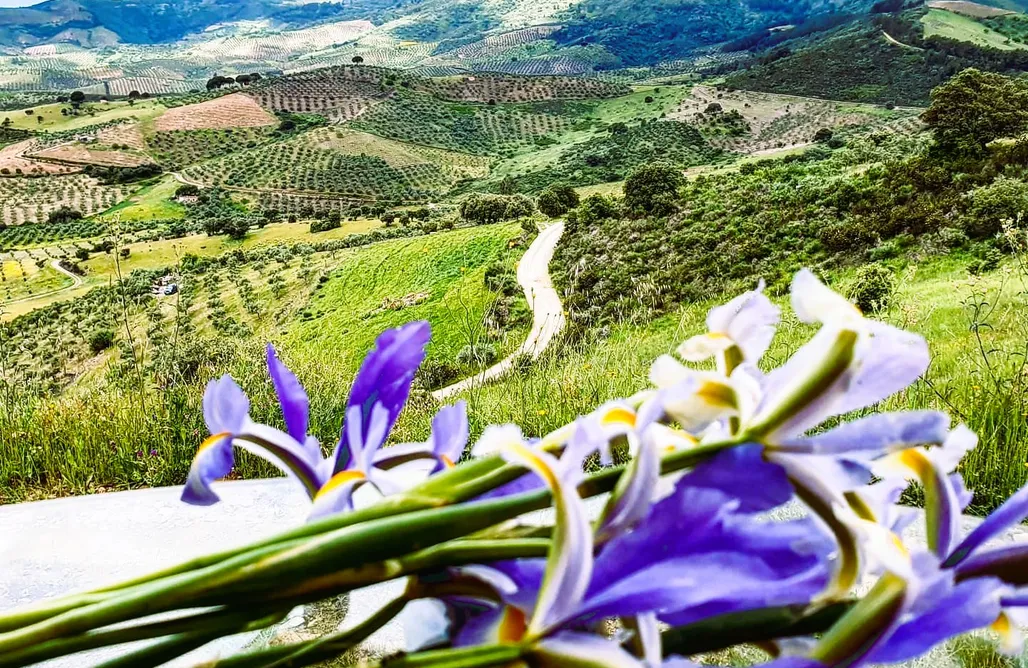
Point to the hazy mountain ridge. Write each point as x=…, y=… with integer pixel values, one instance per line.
x=633, y=32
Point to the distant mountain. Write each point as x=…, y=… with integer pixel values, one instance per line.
x=633, y=32
x=159, y=21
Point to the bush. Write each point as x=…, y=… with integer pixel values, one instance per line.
x=557, y=200
x=873, y=289
x=101, y=340
x=330, y=223
x=989, y=207
x=846, y=235
x=480, y=355
x=653, y=189
x=823, y=135
x=486, y=209
x=986, y=258
x=433, y=375
x=65, y=214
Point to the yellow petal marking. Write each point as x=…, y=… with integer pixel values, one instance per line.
x=212, y=440
x=338, y=479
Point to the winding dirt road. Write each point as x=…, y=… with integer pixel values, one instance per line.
x=547, y=311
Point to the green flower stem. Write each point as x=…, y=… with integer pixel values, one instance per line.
x=458, y=553
x=389, y=530
x=273, y=567
x=750, y=627
x=228, y=619
x=315, y=651
x=471, y=657
x=849, y=640
x=424, y=496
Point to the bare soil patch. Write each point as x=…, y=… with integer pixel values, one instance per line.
x=77, y=154
x=231, y=111
x=14, y=160
x=127, y=134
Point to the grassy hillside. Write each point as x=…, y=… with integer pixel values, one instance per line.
x=323, y=309
x=942, y=23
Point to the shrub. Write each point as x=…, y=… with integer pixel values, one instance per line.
x=988, y=207
x=485, y=209
x=951, y=237
x=846, y=235
x=986, y=258
x=873, y=289
x=64, y=214
x=479, y=355
x=433, y=375
x=823, y=135
x=101, y=340
x=557, y=200
x=653, y=189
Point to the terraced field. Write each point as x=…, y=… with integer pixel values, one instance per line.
x=330, y=162
x=479, y=129
x=779, y=122
x=231, y=111
x=339, y=94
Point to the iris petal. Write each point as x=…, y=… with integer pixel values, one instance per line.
x=581, y=650
x=225, y=406
x=384, y=380
x=291, y=396
x=569, y=565
x=450, y=434
x=968, y=606
x=213, y=460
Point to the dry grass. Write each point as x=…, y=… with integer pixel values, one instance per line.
x=231, y=111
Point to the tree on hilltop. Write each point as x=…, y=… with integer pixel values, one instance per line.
x=357, y=60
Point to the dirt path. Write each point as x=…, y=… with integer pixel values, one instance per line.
x=547, y=311
x=893, y=40
x=76, y=281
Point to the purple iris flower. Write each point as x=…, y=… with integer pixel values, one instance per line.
x=376, y=399
x=686, y=558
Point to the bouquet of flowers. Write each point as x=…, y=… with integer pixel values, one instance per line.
x=684, y=558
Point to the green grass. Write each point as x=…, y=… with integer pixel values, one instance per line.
x=446, y=269
x=90, y=114
x=16, y=284
x=964, y=28
x=152, y=202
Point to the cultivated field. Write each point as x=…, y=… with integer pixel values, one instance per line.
x=14, y=161
x=80, y=154
x=30, y=200
x=231, y=111
x=327, y=161
x=952, y=25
